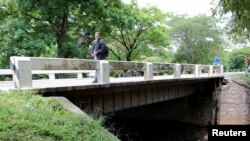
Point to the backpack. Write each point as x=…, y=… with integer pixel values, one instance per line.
x=106, y=51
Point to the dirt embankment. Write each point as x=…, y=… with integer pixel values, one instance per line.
x=235, y=101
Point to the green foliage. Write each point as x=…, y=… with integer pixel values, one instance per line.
x=137, y=30
x=51, y=28
x=19, y=39
x=116, y=73
x=155, y=46
x=21, y=36
x=236, y=59
x=197, y=39
x=26, y=116
x=240, y=15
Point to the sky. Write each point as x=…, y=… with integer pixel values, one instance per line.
x=189, y=7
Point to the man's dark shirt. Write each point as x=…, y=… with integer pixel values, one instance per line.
x=99, y=47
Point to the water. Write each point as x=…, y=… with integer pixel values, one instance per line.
x=155, y=130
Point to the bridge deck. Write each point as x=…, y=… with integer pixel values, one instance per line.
x=38, y=84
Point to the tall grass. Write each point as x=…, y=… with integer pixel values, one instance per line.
x=27, y=116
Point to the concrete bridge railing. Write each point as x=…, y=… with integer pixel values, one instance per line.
x=51, y=73
x=24, y=66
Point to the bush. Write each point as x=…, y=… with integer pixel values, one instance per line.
x=26, y=116
x=116, y=73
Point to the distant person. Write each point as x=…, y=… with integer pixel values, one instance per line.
x=217, y=61
x=99, y=51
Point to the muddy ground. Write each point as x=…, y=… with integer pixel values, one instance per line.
x=235, y=101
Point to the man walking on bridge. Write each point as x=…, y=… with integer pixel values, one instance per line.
x=99, y=51
x=217, y=61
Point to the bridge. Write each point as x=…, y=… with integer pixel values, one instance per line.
x=112, y=94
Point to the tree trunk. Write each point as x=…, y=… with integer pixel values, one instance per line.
x=189, y=58
x=60, y=50
x=61, y=38
x=128, y=56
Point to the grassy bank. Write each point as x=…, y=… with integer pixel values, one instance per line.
x=246, y=78
x=26, y=116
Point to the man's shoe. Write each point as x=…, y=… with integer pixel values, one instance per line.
x=95, y=81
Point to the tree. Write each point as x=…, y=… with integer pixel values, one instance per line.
x=60, y=17
x=53, y=28
x=240, y=15
x=154, y=46
x=196, y=39
x=35, y=28
x=237, y=59
x=14, y=31
x=137, y=30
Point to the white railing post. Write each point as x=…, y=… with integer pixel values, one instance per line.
x=221, y=69
x=177, y=71
x=211, y=70
x=79, y=75
x=52, y=76
x=196, y=71
x=149, y=72
x=22, y=75
x=103, y=72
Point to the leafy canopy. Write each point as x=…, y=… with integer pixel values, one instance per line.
x=239, y=11
x=136, y=31
x=237, y=59
x=197, y=39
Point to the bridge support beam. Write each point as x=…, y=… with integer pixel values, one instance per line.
x=196, y=71
x=103, y=72
x=195, y=109
x=211, y=70
x=51, y=76
x=148, y=74
x=22, y=75
x=79, y=75
x=177, y=71
x=221, y=69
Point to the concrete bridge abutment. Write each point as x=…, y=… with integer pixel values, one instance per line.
x=188, y=101
x=199, y=109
